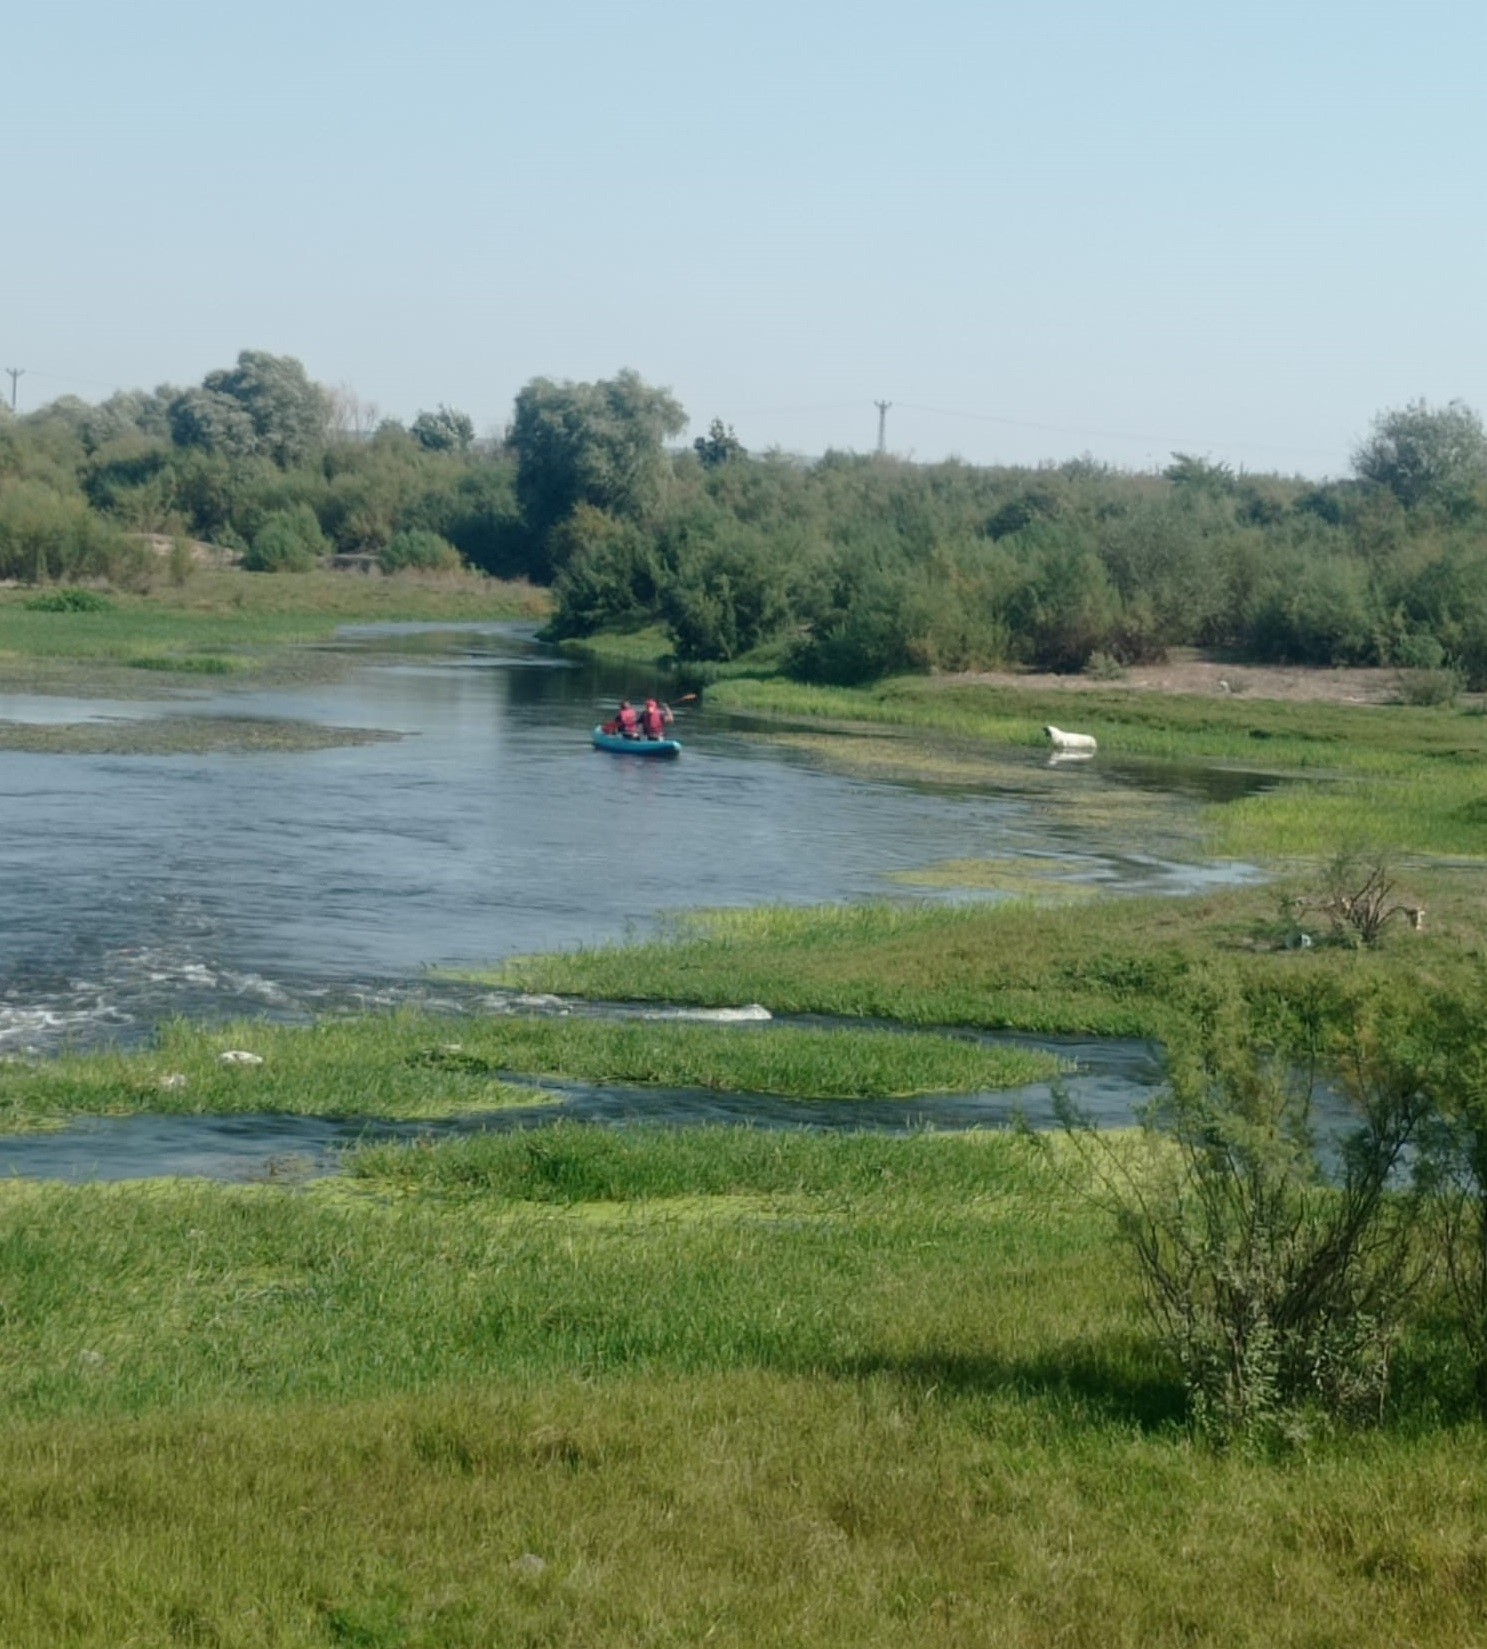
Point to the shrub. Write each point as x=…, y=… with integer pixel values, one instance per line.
x=1105, y=667
x=1275, y=1263
x=1427, y=687
x=420, y=550
x=71, y=600
x=289, y=541
x=47, y=534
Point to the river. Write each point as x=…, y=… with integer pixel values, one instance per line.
x=137, y=888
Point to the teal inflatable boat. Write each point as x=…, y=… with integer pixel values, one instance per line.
x=635, y=747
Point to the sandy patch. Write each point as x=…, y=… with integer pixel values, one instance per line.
x=1297, y=683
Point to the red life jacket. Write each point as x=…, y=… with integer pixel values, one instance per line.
x=655, y=721
x=627, y=722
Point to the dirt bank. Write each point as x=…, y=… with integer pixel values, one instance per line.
x=1299, y=683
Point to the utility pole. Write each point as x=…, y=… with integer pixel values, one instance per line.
x=882, y=407
x=16, y=372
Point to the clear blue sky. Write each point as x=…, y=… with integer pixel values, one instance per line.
x=1077, y=226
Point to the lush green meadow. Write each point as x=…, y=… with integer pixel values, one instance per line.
x=640, y=1388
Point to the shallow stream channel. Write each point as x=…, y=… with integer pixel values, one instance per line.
x=466, y=819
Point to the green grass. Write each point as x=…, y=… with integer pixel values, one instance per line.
x=225, y=623
x=650, y=646
x=1108, y=966
x=408, y=1066
x=1408, y=778
x=642, y=1388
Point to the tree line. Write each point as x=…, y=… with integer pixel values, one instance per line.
x=840, y=569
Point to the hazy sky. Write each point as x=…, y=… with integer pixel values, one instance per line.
x=1039, y=229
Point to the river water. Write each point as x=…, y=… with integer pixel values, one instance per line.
x=135, y=888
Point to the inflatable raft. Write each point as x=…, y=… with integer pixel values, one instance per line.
x=635, y=747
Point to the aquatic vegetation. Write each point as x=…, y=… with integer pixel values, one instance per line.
x=1112, y=966
x=410, y=1066
x=182, y=735
x=1030, y=878
x=1394, y=776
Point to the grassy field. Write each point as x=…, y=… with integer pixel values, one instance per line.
x=408, y=1066
x=1409, y=778
x=1112, y=966
x=636, y=1389
x=224, y=625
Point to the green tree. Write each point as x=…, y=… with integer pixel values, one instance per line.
x=443, y=431
x=600, y=444
x=265, y=405
x=719, y=446
x=1426, y=455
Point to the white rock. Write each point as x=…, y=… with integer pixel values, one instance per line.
x=239, y=1056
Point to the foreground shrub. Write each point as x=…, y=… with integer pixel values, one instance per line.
x=1272, y=1243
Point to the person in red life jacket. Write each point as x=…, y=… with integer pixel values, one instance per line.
x=626, y=721
x=656, y=719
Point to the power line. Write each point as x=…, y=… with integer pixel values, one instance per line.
x=67, y=378
x=16, y=373
x=1115, y=434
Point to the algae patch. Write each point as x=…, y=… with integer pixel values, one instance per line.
x=182, y=736
x=1028, y=878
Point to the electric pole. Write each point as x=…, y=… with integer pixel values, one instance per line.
x=882, y=407
x=16, y=372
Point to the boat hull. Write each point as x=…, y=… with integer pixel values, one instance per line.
x=635, y=747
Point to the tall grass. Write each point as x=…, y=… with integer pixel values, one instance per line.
x=412, y=1066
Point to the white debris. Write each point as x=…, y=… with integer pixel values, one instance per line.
x=239, y=1056
x=754, y=1013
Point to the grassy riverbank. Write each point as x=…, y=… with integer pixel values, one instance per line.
x=224, y=626
x=651, y=1389
x=1412, y=778
x=1111, y=966
x=409, y=1066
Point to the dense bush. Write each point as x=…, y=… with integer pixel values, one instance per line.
x=289, y=541
x=420, y=550
x=46, y=534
